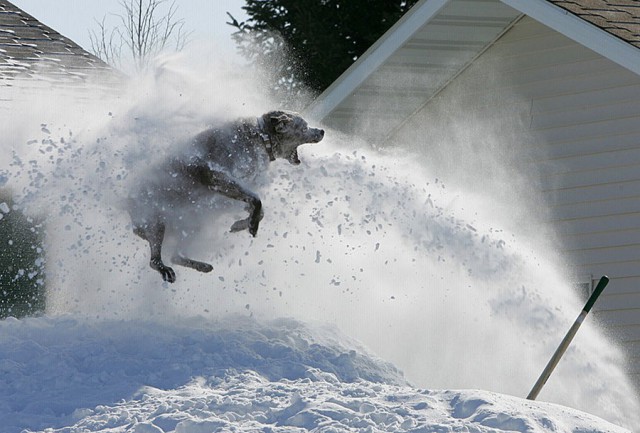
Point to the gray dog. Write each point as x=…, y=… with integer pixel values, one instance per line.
x=217, y=161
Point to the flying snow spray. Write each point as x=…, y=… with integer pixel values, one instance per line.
x=417, y=266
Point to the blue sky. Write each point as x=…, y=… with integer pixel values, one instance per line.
x=75, y=18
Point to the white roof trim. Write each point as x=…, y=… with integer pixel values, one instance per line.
x=581, y=31
x=375, y=56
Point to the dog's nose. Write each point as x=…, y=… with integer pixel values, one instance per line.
x=318, y=135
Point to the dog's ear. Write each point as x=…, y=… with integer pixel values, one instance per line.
x=279, y=121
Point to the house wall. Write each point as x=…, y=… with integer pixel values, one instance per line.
x=582, y=113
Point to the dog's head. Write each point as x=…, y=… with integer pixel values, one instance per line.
x=288, y=131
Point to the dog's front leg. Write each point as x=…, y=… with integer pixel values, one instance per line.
x=223, y=184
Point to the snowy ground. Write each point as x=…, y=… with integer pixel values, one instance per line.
x=73, y=375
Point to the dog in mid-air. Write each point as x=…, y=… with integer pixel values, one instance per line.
x=219, y=160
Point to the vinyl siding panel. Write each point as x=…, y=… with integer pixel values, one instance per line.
x=606, y=239
x=629, y=333
x=609, y=96
x=619, y=302
x=596, y=192
x=584, y=112
x=597, y=164
x=625, y=285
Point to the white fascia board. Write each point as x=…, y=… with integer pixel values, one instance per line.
x=581, y=31
x=375, y=56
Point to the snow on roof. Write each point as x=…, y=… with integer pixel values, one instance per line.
x=29, y=49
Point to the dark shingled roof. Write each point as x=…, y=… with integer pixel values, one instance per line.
x=621, y=18
x=30, y=49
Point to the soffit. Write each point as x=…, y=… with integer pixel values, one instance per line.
x=438, y=39
x=412, y=73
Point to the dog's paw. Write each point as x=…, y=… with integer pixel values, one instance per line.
x=203, y=267
x=253, y=229
x=193, y=264
x=168, y=275
x=240, y=225
x=166, y=272
x=246, y=224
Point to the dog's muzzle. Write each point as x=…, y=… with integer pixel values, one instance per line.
x=315, y=136
x=318, y=135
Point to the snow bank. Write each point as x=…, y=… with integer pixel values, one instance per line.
x=73, y=375
x=53, y=367
x=246, y=402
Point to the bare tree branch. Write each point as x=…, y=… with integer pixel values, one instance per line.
x=106, y=44
x=144, y=30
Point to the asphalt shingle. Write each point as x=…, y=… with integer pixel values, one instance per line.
x=621, y=18
x=29, y=49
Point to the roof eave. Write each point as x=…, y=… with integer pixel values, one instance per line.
x=375, y=56
x=581, y=31
x=543, y=11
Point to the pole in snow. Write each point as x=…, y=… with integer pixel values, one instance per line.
x=567, y=339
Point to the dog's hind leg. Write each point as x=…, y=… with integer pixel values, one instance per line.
x=180, y=260
x=184, y=242
x=154, y=234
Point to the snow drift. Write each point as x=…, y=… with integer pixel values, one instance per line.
x=71, y=375
x=416, y=268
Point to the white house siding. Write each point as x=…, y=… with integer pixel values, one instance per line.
x=584, y=112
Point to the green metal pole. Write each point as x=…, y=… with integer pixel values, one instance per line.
x=567, y=339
